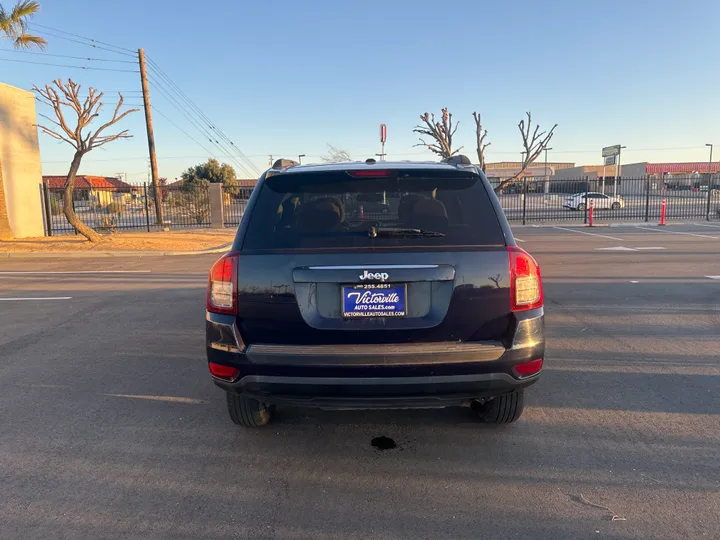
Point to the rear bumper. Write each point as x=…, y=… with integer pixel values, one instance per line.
x=376, y=375
x=374, y=392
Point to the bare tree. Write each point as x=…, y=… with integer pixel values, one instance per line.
x=336, y=155
x=481, y=135
x=533, y=145
x=440, y=132
x=86, y=110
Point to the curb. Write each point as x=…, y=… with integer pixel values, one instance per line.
x=91, y=254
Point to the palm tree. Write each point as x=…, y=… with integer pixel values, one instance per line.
x=13, y=25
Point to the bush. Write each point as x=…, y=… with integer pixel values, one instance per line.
x=56, y=206
x=113, y=208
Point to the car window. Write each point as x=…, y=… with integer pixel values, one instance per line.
x=336, y=210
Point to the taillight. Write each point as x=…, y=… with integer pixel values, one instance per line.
x=222, y=285
x=371, y=173
x=525, y=282
x=528, y=368
x=221, y=371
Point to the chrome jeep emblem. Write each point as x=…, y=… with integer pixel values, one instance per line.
x=377, y=276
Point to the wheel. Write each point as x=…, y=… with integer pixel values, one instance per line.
x=615, y=206
x=503, y=409
x=248, y=412
x=581, y=207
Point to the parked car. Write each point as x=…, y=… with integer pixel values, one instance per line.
x=315, y=306
x=580, y=201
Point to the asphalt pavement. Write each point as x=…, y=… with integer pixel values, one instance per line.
x=111, y=428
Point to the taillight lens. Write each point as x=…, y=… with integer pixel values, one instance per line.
x=525, y=282
x=222, y=285
x=528, y=368
x=221, y=371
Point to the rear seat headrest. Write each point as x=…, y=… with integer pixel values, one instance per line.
x=321, y=214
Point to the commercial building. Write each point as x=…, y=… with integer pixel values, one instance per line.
x=503, y=170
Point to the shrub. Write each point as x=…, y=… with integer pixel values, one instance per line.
x=113, y=208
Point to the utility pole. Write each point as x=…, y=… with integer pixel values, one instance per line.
x=151, y=139
x=270, y=161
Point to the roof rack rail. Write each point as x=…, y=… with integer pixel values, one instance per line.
x=284, y=164
x=458, y=160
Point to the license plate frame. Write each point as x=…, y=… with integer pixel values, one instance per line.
x=350, y=307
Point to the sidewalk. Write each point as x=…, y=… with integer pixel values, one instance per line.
x=185, y=242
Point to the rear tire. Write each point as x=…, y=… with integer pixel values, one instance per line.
x=503, y=409
x=581, y=207
x=615, y=206
x=248, y=412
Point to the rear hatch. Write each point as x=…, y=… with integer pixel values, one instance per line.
x=373, y=256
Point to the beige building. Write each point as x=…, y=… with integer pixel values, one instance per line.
x=502, y=170
x=20, y=156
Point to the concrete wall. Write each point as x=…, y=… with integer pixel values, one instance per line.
x=633, y=170
x=20, y=156
x=574, y=173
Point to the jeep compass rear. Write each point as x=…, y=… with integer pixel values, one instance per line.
x=374, y=285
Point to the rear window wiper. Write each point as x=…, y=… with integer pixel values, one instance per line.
x=374, y=232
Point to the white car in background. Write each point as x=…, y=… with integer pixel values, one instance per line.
x=580, y=201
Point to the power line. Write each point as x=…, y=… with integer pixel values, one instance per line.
x=202, y=115
x=34, y=24
x=66, y=56
x=86, y=44
x=196, y=125
x=185, y=132
x=70, y=67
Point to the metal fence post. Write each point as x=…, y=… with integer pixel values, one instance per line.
x=72, y=201
x=524, y=199
x=647, y=198
x=709, y=197
x=587, y=187
x=48, y=212
x=147, y=211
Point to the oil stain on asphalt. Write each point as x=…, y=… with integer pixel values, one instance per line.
x=383, y=443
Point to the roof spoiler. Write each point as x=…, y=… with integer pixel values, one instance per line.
x=459, y=160
x=284, y=164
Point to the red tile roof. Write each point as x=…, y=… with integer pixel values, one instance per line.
x=86, y=182
x=659, y=168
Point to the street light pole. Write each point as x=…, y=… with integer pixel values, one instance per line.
x=300, y=156
x=709, y=182
x=547, y=176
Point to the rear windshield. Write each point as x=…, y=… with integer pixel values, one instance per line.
x=338, y=209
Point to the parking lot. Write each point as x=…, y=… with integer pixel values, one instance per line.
x=111, y=427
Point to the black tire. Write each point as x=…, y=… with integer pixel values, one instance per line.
x=615, y=206
x=503, y=409
x=581, y=207
x=248, y=412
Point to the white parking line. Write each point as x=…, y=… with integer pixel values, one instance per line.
x=648, y=248
x=707, y=225
x=31, y=299
x=678, y=232
x=518, y=239
x=587, y=233
x=713, y=277
x=78, y=272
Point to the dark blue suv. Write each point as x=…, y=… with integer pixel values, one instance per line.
x=374, y=285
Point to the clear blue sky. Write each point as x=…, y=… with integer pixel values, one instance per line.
x=285, y=78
